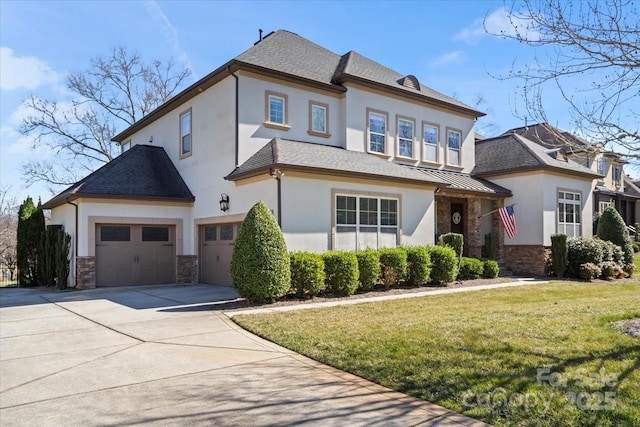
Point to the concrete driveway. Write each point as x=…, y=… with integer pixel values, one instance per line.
x=168, y=355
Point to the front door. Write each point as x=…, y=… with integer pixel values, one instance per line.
x=456, y=218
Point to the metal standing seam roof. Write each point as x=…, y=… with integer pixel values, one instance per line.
x=144, y=172
x=466, y=183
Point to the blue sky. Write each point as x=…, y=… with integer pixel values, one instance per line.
x=442, y=43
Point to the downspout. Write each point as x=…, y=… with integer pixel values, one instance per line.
x=277, y=174
x=75, y=238
x=237, y=119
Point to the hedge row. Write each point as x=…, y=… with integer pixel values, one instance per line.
x=343, y=273
x=589, y=258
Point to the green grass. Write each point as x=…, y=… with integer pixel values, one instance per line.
x=636, y=261
x=479, y=352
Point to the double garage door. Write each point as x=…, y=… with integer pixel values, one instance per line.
x=216, y=248
x=134, y=254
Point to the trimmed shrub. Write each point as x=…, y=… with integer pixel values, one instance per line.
x=489, y=248
x=418, y=265
x=444, y=264
x=611, y=227
x=637, y=236
x=608, y=269
x=368, y=268
x=636, y=247
x=611, y=252
x=454, y=241
x=581, y=251
x=393, y=264
x=341, y=272
x=588, y=271
x=629, y=269
x=307, y=274
x=470, y=269
x=490, y=269
x=559, y=254
x=260, y=264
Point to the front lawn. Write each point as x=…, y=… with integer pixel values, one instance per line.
x=543, y=355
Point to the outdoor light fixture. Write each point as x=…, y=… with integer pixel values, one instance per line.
x=224, y=202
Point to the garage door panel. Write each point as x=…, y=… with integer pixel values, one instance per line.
x=134, y=254
x=216, y=250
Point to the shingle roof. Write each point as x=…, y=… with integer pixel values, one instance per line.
x=283, y=153
x=466, y=183
x=143, y=172
x=512, y=153
x=552, y=137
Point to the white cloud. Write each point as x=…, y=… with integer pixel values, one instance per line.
x=171, y=34
x=24, y=72
x=499, y=22
x=455, y=57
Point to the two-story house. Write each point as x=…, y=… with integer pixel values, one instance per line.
x=613, y=187
x=347, y=153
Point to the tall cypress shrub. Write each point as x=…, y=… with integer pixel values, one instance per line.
x=455, y=241
x=29, y=243
x=611, y=227
x=260, y=264
x=559, y=254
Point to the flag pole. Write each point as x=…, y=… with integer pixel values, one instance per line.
x=495, y=210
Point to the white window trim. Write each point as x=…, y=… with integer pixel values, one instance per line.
x=267, y=111
x=313, y=132
x=186, y=154
x=413, y=137
x=562, y=226
x=424, y=143
x=384, y=114
x=370, y=195
x=603, y=205
x=459, y=150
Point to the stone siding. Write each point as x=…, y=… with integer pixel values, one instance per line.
x=86, y=271
x=525, y=259
x=187, y=269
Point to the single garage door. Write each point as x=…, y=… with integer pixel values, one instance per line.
x=134, y=254
x=216, y=248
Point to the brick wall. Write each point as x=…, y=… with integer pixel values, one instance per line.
x=86, y=266
x=187, y=269
x=525, y=259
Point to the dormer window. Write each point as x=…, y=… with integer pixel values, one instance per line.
x=410, y=82
x=617, y=175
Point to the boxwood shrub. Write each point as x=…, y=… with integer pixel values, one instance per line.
x=341, y=272
x=470, y=269
x=580, y=251
x=454, y=241
x=368, y=268
x=393, y=264
x=307, y=274
x=444, y=264
x=418, y=265
x=260, y=265
x=490, y=269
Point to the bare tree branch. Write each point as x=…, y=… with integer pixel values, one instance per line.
x=590, y=51
x=116, y=91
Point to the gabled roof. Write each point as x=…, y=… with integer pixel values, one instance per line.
x=286, y=55
x=511, y=153
x=308, y=157
x=144, y=172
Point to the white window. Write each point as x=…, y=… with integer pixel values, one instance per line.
x=185, y=134
x=365, y=222
x=318, y=119
x=603, y=205
x=276, y=115
x=377, y=131
x=569, y=213
x=454, y=139
x=430, y=135
x=405, y=138
x=601, y=166
x=276, y=109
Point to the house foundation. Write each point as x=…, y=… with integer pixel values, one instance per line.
x=187, y=269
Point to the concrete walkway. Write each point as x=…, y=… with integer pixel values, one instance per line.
x=168, y=355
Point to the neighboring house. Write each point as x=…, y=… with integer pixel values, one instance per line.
x=613, y=186
x=347, y=153
x=551, y=194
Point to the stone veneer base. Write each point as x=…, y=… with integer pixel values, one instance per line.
x=525, y=259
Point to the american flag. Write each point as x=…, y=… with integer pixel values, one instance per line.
x=508, y=218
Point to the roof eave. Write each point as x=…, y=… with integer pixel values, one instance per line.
x=540, y=168
x=62, y=199
x=297, y=168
